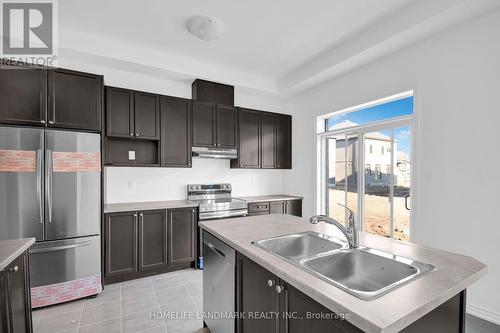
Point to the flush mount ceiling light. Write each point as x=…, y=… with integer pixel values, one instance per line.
x=205, y=28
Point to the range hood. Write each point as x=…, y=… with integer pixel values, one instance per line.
x=220, y=153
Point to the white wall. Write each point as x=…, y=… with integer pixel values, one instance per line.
x=130, y=184
x=456, y=78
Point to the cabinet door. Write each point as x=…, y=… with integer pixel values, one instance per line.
x=203, y=124
x=268, y=139
x=226, y=126
x=175, y=132
x=75, y=100
x=249, y=138
x=294, y=207
x=4, y=303
x=147, y=116
x=255, y=293
x=23, y=95
x=121, y=243
x=152, y=239
x=307, y=315
x=181, y=233
x=284, y=141
x=119, y=112
x=277, y=207
x=19, y=295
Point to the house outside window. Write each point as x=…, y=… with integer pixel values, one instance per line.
x=378, y=172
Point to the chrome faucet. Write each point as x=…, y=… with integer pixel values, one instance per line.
x=351, y=232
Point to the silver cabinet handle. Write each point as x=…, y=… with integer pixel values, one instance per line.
x=14, y=269
x=131, y=134
x=39, y=183
x=51, y=122
x=42, y=121
x=270, y=283
x=136, y=134
x=279, y=289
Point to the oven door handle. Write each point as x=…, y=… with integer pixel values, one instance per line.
x=223, y=214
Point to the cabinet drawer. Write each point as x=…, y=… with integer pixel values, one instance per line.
x=258, y=207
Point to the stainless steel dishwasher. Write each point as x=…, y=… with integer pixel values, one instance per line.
x=218, y=284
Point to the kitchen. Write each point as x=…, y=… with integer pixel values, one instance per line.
x=145, y=191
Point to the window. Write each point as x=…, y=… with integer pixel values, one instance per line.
x=380, y=196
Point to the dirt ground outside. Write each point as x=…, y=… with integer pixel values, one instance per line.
x=377, y=213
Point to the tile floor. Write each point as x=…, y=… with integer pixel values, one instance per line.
x=175, y=298
x=127, y=307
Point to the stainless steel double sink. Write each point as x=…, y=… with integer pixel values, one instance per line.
x=364, y=272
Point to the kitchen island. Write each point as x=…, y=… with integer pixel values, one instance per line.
x=433, y=301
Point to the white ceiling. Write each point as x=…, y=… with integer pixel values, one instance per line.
x=265, y=43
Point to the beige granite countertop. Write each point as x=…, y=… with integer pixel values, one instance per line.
x=274, y=197
x=389, y=313
x=10, y=249
x=147, y=205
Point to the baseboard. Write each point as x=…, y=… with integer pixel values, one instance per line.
x=483, y=313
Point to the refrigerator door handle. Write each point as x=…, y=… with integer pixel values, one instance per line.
x=39, y=153
x=61, y=247
x=48, y=180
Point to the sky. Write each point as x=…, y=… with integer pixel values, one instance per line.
x=397, y=108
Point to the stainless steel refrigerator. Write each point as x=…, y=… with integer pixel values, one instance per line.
x=50, y=189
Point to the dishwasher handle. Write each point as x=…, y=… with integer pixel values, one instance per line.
x=216, y=250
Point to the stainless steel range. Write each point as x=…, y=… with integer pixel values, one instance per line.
x=214, y=202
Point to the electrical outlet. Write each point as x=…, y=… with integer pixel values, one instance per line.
x=131, y=155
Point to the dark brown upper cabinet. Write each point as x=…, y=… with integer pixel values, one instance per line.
x=57, y=98
x=119, y=112
x=283, y=141
x=204, y=124
x=214, y=125
x=75, y=100
x=217, y=93
x=23, y=95
x=268, y=140
x=175, y=132
x=264, y=140
x=132, y=114
x=249, y=139
x=182, y=223
x=226, y=117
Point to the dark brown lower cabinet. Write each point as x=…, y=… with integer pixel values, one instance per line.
x=281, y=308
x=277, y=207
x=290, y=207
x=294, y=207
x=182, y=223
x=152, y=240
x=286, y=309
x=121, y=244
x=142, y=243
x=15, y=297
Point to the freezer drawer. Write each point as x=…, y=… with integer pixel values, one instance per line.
x=65, y=260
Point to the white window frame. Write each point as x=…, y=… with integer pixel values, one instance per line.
x=359, y=131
